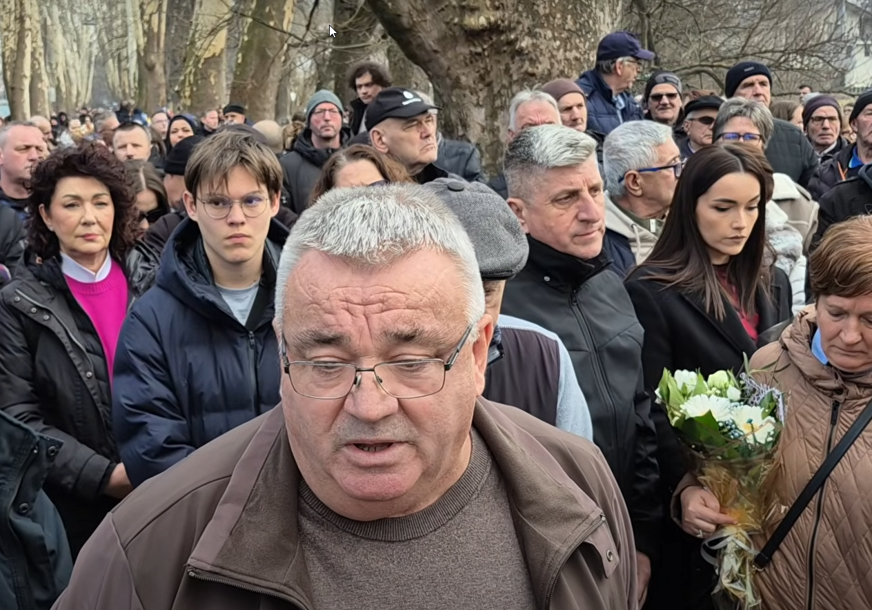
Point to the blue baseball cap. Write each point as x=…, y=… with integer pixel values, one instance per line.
x=621, y=44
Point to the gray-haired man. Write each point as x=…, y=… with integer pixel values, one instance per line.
x=641, y=165
x=528, y=366
x=382, y=480
x=557, y=193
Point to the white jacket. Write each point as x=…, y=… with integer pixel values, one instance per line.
x=797, y=204
x=787, y=243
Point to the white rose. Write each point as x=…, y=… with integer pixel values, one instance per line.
x=750, y=421
x=734, y=394
x=720, y=379
x=686, y=380
x=697, y=406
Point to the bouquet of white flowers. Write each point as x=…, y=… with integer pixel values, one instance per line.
x=731, y=426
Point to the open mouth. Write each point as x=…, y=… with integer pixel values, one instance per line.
x=373, y=447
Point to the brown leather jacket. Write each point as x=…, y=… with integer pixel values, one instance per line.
x=824, y=563
x=219, y=530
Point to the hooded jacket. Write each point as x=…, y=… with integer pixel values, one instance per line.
x=586, y=305
x=220, y=530
x=850, y=198
x=832, y=171
x=186, y=370
x=786, y=242
x=629, y=243
x=824, y=561
x=54, y=378
x=797, y=205
x=789, y=152
x=35, y=562
x=302, y=167
x=603, y=115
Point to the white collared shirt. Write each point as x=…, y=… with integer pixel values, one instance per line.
x=79, y=273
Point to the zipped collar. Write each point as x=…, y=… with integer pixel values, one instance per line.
x=253, y=540
x=560, y=270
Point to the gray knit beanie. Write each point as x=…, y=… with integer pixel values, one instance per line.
x=319, y=98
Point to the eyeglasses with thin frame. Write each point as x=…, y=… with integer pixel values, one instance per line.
x=675, y=167
x=819, y=120
x=744, y=137
x=708, y=121
x=219, y=207
x=401, y=379
x=324, y=111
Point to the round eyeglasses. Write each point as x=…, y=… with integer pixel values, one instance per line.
x=219, y=207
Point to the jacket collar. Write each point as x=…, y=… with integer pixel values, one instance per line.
x=253, y=538
x=430, y=173
x=559, y=270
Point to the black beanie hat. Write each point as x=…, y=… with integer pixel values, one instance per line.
x=820, y=101
x=864, y=100
x=177, y=158
x=662, y=77
x=740, y=72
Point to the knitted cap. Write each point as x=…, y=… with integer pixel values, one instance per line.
x=319, y=98
x=740, y=72
x=820, y=101
x=864, y=100
x=662, y=77
x=177, y=158
x=560, y=87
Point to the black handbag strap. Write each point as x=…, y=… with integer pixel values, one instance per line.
x=765, y=556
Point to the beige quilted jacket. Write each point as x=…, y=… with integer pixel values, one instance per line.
x=825, y=563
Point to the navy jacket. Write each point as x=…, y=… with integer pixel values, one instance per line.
x=602, y=114
x=35, y=561
x=618, y=249
x=186, y=371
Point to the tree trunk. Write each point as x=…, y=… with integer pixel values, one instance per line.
x=39, y=103
x=205, y=75
x=16, y=32
x=404, y=72
x=479, y=53
x=180, y=20
x=264, y=37
x=151, y=47
x=354, y=23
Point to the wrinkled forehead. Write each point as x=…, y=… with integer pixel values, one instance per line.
x=422, y=291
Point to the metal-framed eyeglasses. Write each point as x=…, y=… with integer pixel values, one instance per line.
x=744, y=137
x=219, y=207
x=675, y=167
x=401, y=379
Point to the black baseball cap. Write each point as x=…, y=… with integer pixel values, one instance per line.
x=395, y=103
x=707, y=101
x=621, y=44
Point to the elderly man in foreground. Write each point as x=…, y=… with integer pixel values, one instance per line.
x=381, y=481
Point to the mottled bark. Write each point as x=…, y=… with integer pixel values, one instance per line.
x=151, y=49
x=404, y=72
x=258, y=70
x=180, y=18
x=204, y=81
x=354, y=24
x=479, y=53
x=39, y=104
x=16, y=37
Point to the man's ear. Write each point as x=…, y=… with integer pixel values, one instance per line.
x=520, y=209
x=377, y=139
x=190, y=205
x=632, y=183
x=481, y=350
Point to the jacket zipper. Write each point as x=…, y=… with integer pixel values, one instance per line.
x=252, y=370
x=572, y=549
x=819, y=509
x=597, y=366
x=200, y=575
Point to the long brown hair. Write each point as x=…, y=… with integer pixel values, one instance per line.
x=681, y=256
x=390, y=170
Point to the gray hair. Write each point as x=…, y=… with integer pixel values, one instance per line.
x=525, y=97
x=375, y=227
x=739, y=107
x=632, y=145
x=101, y=119
x=608, y=66
x=538, y=149
x=4, y=131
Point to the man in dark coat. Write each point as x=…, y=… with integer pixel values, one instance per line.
x=21, y=148
x=567, y=286
x=367, y=79
x=845, y=163
x=195, y=355
x=323, y=135
x=789, y=151
x=11, y=242
x=35, y=561
x=849, y=198
x=607, y=86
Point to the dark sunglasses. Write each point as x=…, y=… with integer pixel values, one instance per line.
x=151, y=217
x=708, y=121
x=659, y=96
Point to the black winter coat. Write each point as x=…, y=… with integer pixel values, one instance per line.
x=302, y=167
x=35, y=561
x=586, y=305
x=681, y=334
x=54, y=378
x=461, y=158
x=852, y=197
x=186, y=370
x=789, y=152
x=831, y=172
x=11, y=239
x=358, y=111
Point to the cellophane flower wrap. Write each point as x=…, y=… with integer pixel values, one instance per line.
x=731, y=425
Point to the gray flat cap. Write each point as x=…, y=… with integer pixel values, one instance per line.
x=499, y=241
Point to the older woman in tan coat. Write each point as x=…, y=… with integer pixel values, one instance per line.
x=824, y=362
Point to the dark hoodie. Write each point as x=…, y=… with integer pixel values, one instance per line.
x=302, y=167
x=852, y=197
x=186, y=370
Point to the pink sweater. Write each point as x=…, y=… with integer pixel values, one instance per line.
x=105, y=302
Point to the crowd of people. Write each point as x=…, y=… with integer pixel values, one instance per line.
x=252, y=365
